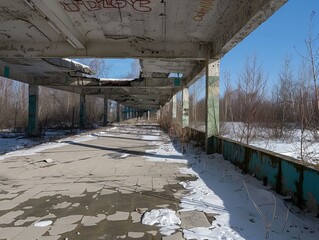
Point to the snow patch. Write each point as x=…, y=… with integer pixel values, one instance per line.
x=150, y=137
x=43, y=223
x=166, y=219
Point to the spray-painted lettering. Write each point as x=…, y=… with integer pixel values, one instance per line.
x=204, y=7
x=95, y=5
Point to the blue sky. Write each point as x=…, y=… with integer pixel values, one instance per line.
x=284, y=32
x=119, y=68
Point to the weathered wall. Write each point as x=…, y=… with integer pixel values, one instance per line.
x=286, y=175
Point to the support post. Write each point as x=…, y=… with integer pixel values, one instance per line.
x=106, y=111
x=212, y=102
x=33, y=123
x=174, y=108
x=185, y=107
x=125, y=113
x=82, y=110
x=118, y=110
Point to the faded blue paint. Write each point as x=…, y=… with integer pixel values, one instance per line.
x=290, y=176
x=271, y=168
x=310, y=182
x=177, y=82
x=32, y=122
x=283, y=173
x=233, y=152
x=255, y=165
x=6, y=72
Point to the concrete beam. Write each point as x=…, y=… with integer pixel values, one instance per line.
x=7, y=71
x=107, y=48
x=236, y=25
x=190, y=76
x=59, y=21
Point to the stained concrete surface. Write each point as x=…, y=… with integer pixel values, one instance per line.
x=88, y=191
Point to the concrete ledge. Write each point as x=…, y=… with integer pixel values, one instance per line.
x=286, y=175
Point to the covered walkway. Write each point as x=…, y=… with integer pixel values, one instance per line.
x=101, y=185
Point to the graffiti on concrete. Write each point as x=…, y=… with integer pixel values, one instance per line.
x=95, y=5
x=204, y=7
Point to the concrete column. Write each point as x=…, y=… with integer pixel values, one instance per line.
x=33, y=124
x=148, y=115
x=118, y=112
x=106, y=111
x=82, y=111
x=125, y=113
x=212, y=102
x=174, y=108
x=185, y=117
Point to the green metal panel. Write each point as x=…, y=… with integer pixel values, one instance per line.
x=6, y=71
x=310, y=183
x=286, y=176
x=32, y=114
x=177, y=82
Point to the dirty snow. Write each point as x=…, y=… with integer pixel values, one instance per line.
x=44, y=146
x=43, y=223
x=288, y=145
x=166, y=219
x=243, y=207
x=223, y=190
x=150, y=137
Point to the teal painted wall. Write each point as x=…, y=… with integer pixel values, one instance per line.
x=286, y=175
x=32, y=114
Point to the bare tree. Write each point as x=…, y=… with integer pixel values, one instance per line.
x=252, y=92
x=283, y=99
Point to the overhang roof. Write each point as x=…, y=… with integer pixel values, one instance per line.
x=169, y=36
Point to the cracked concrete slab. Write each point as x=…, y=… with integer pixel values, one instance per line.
x=60, y=229
x=118, y=216
x=92, y=220
x=191, y=219
x=85, y=194
x=68, y=220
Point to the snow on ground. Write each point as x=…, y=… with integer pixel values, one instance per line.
x=244, y=208
x=166, y=219
x=289, y=145
x=20, y=147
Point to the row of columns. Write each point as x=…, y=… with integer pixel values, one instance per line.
x=33, y=112
x=212, y=103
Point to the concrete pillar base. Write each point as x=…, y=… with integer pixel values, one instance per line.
x=106, y=112
x=82, y=111
x=33, y=123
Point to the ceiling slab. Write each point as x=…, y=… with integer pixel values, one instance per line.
x=128, y=28
x=168, y=36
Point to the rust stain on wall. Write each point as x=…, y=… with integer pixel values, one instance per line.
x=204, y=7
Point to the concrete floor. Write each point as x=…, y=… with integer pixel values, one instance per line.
x=89, y=190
